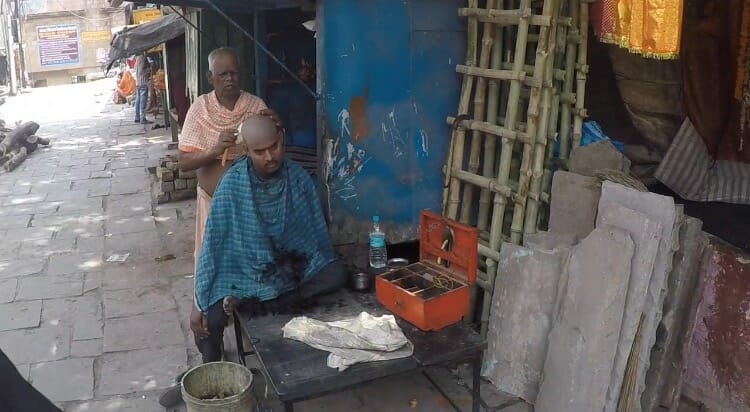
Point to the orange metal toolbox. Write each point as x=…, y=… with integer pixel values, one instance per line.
x=433, y=293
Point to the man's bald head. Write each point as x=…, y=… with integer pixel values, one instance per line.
x=265, y=143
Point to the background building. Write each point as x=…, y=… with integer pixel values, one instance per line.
x=65, y=40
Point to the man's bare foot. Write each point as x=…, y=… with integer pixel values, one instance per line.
x=230, y=303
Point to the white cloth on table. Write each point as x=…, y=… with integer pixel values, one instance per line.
x=365, y=338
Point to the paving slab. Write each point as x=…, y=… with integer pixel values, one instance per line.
x=49, y=287
x=45, y=247
x=31, y=233
x=21, y=267
x=136, y=275
x=89, y=244
x=64, y=380
x=20, y=315
x=92, y=281
x=74, y=263
x=36, y=345
x=141, y=370
x=583, y=340
x=645, y=234
x=151, y=330
x=138, y=204
x=86, y=348
x=118, y=404
x=8, y=289
x=83, y=314
x=574, y=203
x=523, y=309
x=131, y=302
x=122, y=225
x=659, y=209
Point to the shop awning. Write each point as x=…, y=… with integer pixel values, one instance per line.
x=238, y=6
x=137, y=39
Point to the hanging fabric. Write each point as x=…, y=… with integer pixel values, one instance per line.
x=651, y=28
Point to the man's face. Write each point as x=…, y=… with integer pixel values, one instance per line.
x=225, y=76
x=267, y=154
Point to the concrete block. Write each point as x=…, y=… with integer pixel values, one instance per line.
x=523, y=308
x=659, y=209
x=180, y=184
x=190, y=174
x=588, y=159
x=583, y=341
x=167, y=187
x=162, y=198
x=192, y=183
x=664, y=378
x=184, y=194
x=574, y=203
x=173, y=166
x=645, y=234
x=164, y=174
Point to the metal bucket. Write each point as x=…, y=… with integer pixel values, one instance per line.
x=218, y=387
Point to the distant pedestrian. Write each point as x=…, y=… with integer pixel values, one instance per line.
x=142, y=77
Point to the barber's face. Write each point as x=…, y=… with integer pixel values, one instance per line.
x=267, y=155
x=225, y=77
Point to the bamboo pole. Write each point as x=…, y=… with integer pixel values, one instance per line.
x=480, y=100
x=582, y=70
x=535, y=123
x=506, y=156
x=504, y=17
x=540, y=148
x=456, y=147
x=570, y=73
x=490, y=145
x=492, y=129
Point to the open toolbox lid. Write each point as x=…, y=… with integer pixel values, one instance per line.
x=448, y=244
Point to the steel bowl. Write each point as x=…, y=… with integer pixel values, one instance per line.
x=396, y=263
x=360, y=282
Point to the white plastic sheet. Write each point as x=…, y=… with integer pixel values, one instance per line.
x=365, y=338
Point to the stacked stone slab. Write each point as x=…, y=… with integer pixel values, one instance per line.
x=664, y=378
x=587, y=160
x=645, y=234
x=583, y=340
x=524, y=302
x=659, y=209
x=575, y=199
x=172, y=183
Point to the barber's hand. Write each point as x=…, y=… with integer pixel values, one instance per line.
x=227, y=139
x=198, y=323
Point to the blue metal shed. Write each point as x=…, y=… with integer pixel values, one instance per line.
x=386, y=73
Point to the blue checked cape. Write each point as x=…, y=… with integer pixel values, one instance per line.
x=236, y=257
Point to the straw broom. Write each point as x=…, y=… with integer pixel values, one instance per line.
x=628, y=398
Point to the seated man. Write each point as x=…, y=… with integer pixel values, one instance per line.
x=266, y=242
x=125, y=87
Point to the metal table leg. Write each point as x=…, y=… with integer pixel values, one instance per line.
x=288, y=407
x=477, y=381
x=240, y=345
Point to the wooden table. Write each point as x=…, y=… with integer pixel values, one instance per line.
x=298, y=372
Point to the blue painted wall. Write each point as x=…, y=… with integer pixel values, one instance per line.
x=387, y=72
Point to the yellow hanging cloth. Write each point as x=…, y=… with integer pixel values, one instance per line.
x=651, y=28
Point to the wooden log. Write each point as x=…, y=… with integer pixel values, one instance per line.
x=42, y=141
x=17, y=157
x=17, y=136
x=30, y=143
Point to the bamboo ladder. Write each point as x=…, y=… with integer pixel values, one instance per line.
x=530, y=138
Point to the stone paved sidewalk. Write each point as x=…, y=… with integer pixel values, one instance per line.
x=98, y=336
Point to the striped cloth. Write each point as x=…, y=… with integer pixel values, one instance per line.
x=237, y=256
x=207, y=118
x=690, y=171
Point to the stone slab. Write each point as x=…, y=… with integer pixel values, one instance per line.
x=20, y=315
x=120, y=404
x=36, y=345
x=549, y=240
x=48, y=287
x=588, y=159
x=131, y=302
x=86, y=348
x=151, y=330
x=523, y=309
x=64, y=380
x=659, y=209
x=45, y=247
x=83, y=314
x=574, y=203
x=116, y=226
x=668, y=357
x=142, y=370
x=8, y=290
x=583, y=340
x=645, y=234
x=74, y=263
x=137, y=275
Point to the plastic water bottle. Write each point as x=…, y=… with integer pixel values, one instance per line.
x=378, y=253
